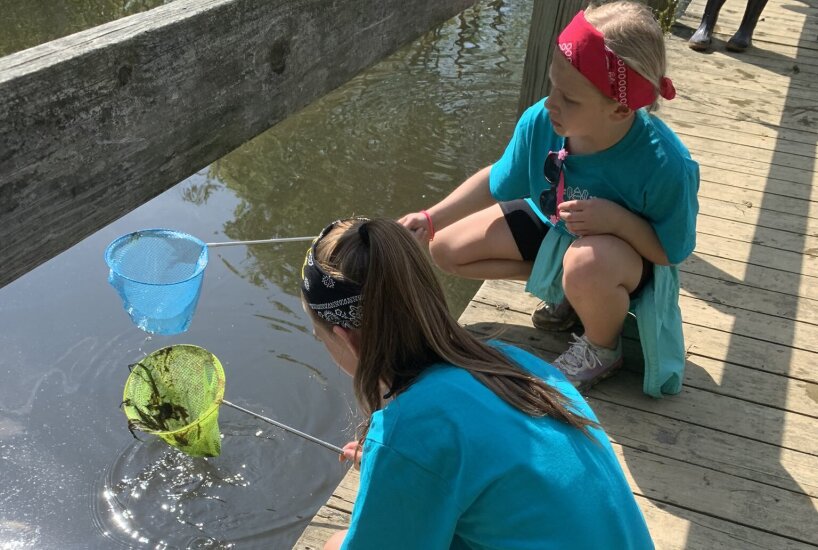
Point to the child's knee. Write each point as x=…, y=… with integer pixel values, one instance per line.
x=579, y=270
x=598, y=260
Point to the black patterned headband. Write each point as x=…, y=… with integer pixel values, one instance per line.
x=336, y=301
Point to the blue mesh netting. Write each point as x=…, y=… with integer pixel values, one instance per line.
x=158, y=274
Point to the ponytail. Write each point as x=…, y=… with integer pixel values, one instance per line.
x=406, y=324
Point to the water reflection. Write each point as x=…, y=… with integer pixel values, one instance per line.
x=396, y=138
x=27, y=23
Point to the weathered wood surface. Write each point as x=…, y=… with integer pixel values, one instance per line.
x=732, y=462
x=94, y=124
x=547, y=20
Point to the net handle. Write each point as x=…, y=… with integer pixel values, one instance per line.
x=284, y=427
x=263, y=241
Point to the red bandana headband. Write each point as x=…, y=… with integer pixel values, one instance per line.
x=585, y=48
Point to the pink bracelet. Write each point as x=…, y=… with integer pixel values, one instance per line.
x=431, y=225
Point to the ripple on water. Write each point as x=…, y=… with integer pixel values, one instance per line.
x=156, y=496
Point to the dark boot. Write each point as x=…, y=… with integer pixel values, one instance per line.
x=703, y=36
x=744, y=35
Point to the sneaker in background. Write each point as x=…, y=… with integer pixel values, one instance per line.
x=554, y=317
x=585, y=364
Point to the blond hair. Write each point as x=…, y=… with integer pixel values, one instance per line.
x=407, y=326
x=632, y=32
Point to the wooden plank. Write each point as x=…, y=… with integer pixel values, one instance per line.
x=754, y=255
x=746, y=212
x=333, y=516
x=779, y=77
x=96, y=123
x=724, y=452
x=758, y=142
x=797, y=364
x=774, y=238
x=687, y=113
x=726, y=414
x=505, y=303
x=724, y=102
x=736, y=161
x=752, y=277
x=783, y=307
x=674, y=528
x=755, y=182
x=778, y=163
x=719, y=495
x=750, y=324
x=803, y=211
x=326, y=522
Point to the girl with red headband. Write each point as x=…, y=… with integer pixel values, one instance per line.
x=597, y=202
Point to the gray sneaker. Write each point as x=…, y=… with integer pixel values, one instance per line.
x=554, y=317
x=585, y=364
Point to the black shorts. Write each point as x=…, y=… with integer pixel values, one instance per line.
x=529, y=230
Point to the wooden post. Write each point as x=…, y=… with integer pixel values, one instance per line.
x=549, y=17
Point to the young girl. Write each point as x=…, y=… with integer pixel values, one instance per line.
x=466, y=444
x=610, y=201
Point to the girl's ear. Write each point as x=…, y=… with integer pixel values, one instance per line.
x=351, y=339
x=621, y=112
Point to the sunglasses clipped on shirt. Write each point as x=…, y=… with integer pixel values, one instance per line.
x=552, y=197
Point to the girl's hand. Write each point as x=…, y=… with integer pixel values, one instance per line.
x=591, y=217
x=418, y=225
x=352, y=452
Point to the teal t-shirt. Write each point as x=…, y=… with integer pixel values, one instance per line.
x=649, y=172
x=448, y=464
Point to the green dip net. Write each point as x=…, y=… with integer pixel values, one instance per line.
x=175, y=393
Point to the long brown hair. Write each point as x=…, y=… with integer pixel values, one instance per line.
x=407, y=325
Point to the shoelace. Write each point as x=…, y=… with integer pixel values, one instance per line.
x=579, y=357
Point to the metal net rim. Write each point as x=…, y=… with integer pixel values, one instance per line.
x=220, y=382
x=201, y=263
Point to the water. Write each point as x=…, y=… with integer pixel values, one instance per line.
x=27, y=23
x=397, y=138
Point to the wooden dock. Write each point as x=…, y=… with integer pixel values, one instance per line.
x=731, y=462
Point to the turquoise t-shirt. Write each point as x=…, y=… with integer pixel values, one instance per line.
x=649, y=172
x=448, y=464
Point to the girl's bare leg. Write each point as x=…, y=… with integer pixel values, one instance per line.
x=599, y=273
x=480, y=246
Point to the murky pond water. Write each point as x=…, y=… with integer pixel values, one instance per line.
x=27, y=23
x=396, y=138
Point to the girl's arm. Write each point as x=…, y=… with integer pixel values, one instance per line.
x=469, y=197
x=604, y=217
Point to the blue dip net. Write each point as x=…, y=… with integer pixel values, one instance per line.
x=158, y=274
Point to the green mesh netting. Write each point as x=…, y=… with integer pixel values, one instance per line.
x=175, y=393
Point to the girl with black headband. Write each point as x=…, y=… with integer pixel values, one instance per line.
x=465, y=444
